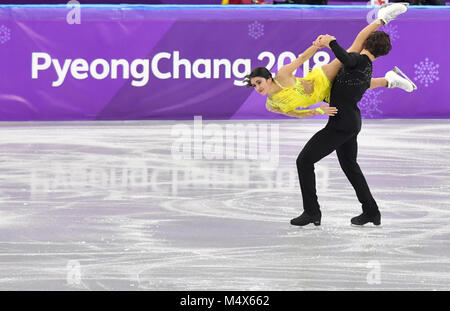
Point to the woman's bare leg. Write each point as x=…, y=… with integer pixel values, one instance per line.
x=358, y=44
x=332, y=68
x=378, y=82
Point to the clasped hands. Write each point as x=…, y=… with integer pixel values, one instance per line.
x=323, y=41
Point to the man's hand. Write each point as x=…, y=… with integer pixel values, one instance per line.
x=325, y=40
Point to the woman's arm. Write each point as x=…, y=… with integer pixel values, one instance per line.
x=293, y=113
x=290, y=68
x=273, y=109
x=305, y=113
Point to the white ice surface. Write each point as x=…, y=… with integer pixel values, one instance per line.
x=104, y=205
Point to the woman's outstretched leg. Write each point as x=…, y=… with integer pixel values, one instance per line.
x=394, y=78
x=378, y=82
x=358, y=44
x=385, y=15
x=332, y=68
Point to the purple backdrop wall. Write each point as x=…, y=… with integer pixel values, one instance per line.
x=190, y=2
x=165, y=62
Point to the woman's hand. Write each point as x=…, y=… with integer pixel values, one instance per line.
x=331, y=111
x=317, y=43
x=325, y=40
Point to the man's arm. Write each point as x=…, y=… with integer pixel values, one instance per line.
x=347, y=59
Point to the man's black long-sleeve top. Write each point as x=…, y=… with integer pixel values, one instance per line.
x=352, y=80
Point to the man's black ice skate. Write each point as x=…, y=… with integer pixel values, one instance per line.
x=305, y=219
x=363, y=219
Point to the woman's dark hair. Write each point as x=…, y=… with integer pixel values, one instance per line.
x=257, y=72
x=378, y=44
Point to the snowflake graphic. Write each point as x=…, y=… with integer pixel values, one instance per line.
x=369, y=104
x=426, y=72
x=5, y=34
x=256, y=30
x=392, y=31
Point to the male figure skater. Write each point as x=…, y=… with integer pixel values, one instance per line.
x=341, y=131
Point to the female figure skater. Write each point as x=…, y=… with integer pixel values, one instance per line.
x=287, y=92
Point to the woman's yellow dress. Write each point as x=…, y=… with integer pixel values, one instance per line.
x=290, y=98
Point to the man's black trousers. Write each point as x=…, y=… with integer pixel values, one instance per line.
x=319, y=146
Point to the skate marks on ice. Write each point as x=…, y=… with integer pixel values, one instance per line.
x=104, y=205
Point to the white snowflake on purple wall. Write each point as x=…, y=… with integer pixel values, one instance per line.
x=392, y=31
x=427, y=72
x=5, y=34
x=256, y=30
x=369, y=104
